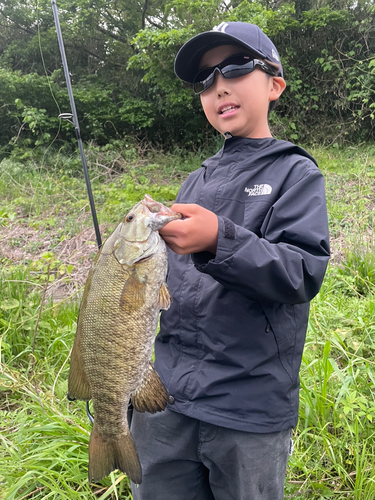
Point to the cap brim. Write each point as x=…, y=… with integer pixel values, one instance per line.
x=187, y=61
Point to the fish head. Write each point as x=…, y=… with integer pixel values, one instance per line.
x=145, y=217
x=136, y=237
x=160, y=215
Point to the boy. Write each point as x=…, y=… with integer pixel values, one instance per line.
x=247, y=258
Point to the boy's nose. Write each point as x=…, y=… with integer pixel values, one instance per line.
x=221, y=85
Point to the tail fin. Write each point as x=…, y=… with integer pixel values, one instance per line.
x=107, y=454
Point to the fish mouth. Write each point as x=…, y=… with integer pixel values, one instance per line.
x=167, y=212
x=159, y=209
x=152, y=205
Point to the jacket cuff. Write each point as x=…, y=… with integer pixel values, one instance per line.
x=226, y=246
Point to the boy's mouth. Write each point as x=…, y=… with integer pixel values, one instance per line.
x=227, y=108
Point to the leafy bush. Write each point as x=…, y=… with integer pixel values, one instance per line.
x=121, y=62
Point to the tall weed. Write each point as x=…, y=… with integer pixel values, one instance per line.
x=44, y=438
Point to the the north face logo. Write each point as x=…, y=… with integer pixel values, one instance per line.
x=259, y=190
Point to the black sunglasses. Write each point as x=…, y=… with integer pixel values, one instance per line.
x=232, y=67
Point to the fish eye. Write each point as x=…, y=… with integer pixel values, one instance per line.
x=130, y=217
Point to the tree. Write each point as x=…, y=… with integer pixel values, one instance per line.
x=121, y=57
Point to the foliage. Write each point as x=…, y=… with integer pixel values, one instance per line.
x=120, y=57
x=330, y=77
x=41, y=433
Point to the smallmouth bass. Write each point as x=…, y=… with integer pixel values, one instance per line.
x=111, y=356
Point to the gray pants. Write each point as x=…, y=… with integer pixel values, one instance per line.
x=185, y=459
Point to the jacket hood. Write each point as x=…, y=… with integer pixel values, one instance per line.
x=257, y=149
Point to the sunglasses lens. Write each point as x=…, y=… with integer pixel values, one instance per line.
x=203, y=80
x=235, y=70
x=233, y=67
x=198, y=87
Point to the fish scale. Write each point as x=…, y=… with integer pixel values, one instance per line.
x=111, y=355
x=135, y=357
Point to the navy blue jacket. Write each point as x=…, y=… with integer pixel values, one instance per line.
x=229, y=348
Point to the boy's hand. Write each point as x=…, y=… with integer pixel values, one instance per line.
x=197, y=232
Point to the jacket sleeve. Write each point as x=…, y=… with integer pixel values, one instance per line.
x=287, y=262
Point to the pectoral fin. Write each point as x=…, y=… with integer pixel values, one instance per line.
x=133, y=294
x=151, y=396
x=164, y=298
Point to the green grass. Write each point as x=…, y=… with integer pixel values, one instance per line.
x=44, y=438
x=335, y=436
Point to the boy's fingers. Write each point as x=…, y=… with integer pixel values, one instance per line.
x=196, y=232
x=170, y=228
x=186, y=209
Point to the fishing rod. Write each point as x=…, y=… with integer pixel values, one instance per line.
x=73, y=115
x=69, y=117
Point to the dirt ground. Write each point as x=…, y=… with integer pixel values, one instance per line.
x=17, y=241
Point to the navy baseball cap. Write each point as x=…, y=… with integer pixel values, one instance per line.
x=249, y=36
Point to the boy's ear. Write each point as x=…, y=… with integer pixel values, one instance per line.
x=277, y=88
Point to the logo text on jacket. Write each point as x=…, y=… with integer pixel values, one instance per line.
x=259, y=190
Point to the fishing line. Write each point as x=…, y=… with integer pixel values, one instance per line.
x=73, y=118
x=47, y=76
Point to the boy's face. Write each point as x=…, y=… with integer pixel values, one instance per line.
x=239, y=105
